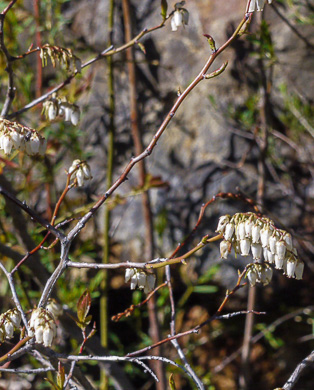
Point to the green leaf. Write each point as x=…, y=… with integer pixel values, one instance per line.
x=60, y=376
x=83, y=306
x=164, y=8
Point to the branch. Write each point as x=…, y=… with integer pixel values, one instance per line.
x=307, y=362
x=10, y=90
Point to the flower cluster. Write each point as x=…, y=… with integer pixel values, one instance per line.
x=8, y=321
x=62, y=55
x=57, y=106
x=247, y=232
x=15, y=135
x=258, y=5
x=259, y=273
x=42, y=326
x=180, y=16
x=81, y=171
x=140, y=279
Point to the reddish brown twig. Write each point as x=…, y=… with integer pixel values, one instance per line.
x=129, y=311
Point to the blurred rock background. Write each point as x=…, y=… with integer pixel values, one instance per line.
x=213, y=144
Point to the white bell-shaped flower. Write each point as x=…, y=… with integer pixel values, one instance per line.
x=281, y=249
x=245, y=247
x=241, y=231
x=256, y=230
x=7, y=143
x=129, y=272
x=222, y=223
x=252, y=276
x=279, y=262
x=229, y=231
x=224, y=249
x=248, y=228
x=299, y=270
x=257, y=251
x=291, y=266
x=9, y=328
x=48, y=335
x=39, y=332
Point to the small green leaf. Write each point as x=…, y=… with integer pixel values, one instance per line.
x=164, y=8
x=83, y=306
x=60, y=376
x=142, y=47
x=172, y=383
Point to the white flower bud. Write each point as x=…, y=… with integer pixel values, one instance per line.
x=268, y=274
x=252, y=276
x=224, y=249
x=291, y=266
x=268, y=256
x=222, y=223
x=248, y=228
x=257, y=251
x=281, y=249
x=16, y=139
x=299, y=270
x=241, y=231
x=15, y=317
x=74, y=165
x=48, y=336
x=265, y=236
x=34, y=316
x=265, y=274
x=1, y=334
x=178, y=18
x=39, y=331
x=87, y=171
x=67, y=113
x=288, y=240
x=75, y=116
x=54, y=308
x=272, y=243
x=7, y=144
x=129, y=272
x=256, y=234
x=8, y=328
x=229, y=231
x=134, y=281
x=278, y=262
x=34, y=143
x=52, y=111
x=150, y=282
x=80, y=177
x=141, y=278
x=245, y=247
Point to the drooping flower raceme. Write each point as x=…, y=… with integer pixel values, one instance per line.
x=247, y=232
x=62, y=55
x=81, y=170
x=140, y=279
x=258, y=5
x=23, y=138
x=59, y=107
x=9, y=321
x=42, y=326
